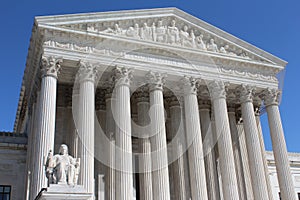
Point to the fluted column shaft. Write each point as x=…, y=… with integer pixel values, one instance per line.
x=143, y=105
x=124, y=176
x=209, y=153
x=194, y=138
x=160, y=175
x=258, y=178
x=263, y=152
x=177, y=150
x=245, y=161
x=110, y=132
x=87, y=76
x=237, y=154
x=227, y=167
x=46, y=120
x=284, y=176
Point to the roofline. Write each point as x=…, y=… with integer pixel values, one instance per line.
x=113, y=15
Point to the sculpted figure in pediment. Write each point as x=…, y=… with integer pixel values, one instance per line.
x=211, y=46
x=187, y=39
x=62, y=168
x=133, y=31
x=146, y=32
x=173, y=33
x=160, y=32
x=117, y=30
x=200, y=43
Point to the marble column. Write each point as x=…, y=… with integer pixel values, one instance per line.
x=143, y=120
x=160, y=175
x=178, y=146
x=237, y=152
x=227, y=167
x=285, y=180
x=208, y=149
x=110, y=127
x=87, y=75
x=194, y=139
x=122, y=115
x=263, y=152
x=46, y=119
x=84, y=119
x=245, y=160
x=257, y=171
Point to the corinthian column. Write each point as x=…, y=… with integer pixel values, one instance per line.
x=209, y=152
x=194, y=139
x=263, y=153
x=124, y=176
x=110, y=132
x=237, y=152
x=46, y=119
x=87, y=75
x=160, y=175
x=143, y=106
x=178, y=141
x=285, y=180
x=227, y=167
x=258, y=178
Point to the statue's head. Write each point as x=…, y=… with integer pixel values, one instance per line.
x=63, y=150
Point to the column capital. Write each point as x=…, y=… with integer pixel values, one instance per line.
x=122, y=76
x=189, y=85
x=217, y=89
x=50, y=66
x=245, y=93
x=271, y=96
x=87, y=72
x=155, y=80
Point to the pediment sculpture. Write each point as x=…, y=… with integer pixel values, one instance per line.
x=170, y=34
x=62, y=168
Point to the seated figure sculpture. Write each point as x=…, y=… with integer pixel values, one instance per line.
x=62, y=168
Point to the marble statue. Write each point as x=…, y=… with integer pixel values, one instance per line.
x=146, y=32
x=173, y=33
x=200, y=43
x=133, y=31
x=211, y=46
x=62, y=168
x=185, y=38
x=160, y=32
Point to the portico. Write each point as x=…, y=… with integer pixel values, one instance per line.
x=151, y=100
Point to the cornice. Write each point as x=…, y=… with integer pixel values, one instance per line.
x=134, y=16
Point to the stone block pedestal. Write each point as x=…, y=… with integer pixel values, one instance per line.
x=63, y=191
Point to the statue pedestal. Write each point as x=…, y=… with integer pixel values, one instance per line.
x=64, y=191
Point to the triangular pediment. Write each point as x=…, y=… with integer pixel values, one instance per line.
x=165, y=26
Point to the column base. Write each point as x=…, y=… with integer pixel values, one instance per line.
x=64, y=191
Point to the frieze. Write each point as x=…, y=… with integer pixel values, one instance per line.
x=168, y=32
x=230, y=67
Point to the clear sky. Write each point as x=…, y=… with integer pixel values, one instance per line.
x=272, y=25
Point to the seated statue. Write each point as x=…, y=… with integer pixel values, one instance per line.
x=62, y=168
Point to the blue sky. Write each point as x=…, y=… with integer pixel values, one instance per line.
x=272, y=25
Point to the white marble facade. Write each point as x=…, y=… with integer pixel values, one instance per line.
x=156, y=104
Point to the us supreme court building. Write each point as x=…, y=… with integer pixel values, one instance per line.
x=154, y=105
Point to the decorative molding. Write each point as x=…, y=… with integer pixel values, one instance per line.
x=271, y=96
x=217, y=89
x=122, y=76
x=50, y=66
x=245, y=93
x=168, y=32
x=189, y=85
x=155, y=80
x=87, y=72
